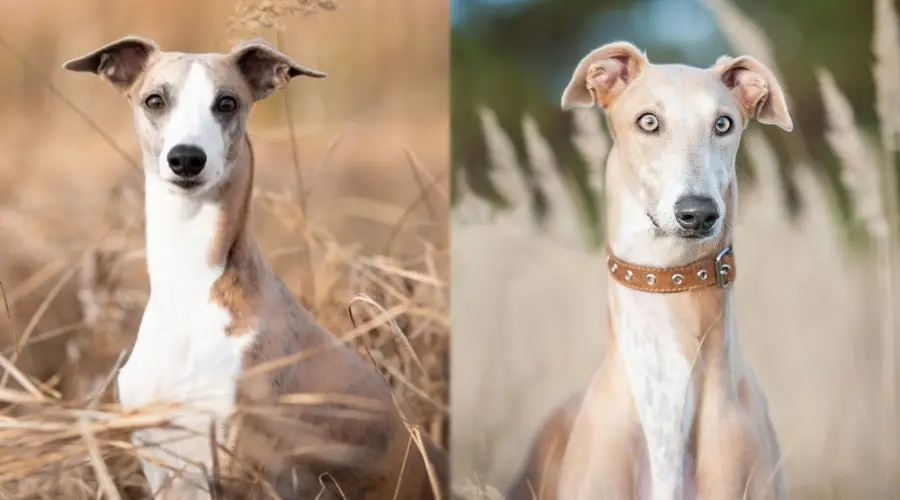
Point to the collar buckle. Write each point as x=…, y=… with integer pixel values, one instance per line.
x=723, y=270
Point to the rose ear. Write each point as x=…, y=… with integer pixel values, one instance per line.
x=265, y=69
x=603, y=74
x=120, y=63
x=756, y=89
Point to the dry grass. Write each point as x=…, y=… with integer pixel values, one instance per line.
x=367, y=243
x=401, y=324
x=824, y=347
x=259, y=15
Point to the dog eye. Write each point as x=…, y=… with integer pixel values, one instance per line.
x=226, y=104
x=155, y=102
x=648, y=122
x=723, y=125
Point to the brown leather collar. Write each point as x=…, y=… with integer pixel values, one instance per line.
x=716, y=271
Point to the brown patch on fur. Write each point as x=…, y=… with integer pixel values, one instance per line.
x=237, y=290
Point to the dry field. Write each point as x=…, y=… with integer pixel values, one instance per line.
x=351, y=198
x=529, y=300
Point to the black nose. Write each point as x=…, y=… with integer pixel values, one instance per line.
x=186, y=161
x=696, y=213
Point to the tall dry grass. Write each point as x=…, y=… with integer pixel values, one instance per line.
x=350, y=208
x=529, y=308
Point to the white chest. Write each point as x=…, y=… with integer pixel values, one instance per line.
x=659, y=376
x=183, y=355
x=183, y=358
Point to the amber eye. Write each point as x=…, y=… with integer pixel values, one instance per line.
x=723, y=125
x=155, y=102
x=226, y=105
x=648, y=122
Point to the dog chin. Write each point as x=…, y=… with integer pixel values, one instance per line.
x=686, y=237
x=696, y=238
x=188, y=187
x=703, y=237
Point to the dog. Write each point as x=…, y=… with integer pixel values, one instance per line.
x=674, y=410
x=218, y=315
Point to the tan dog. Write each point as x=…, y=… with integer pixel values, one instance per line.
x=674, y=411
x=218, y=315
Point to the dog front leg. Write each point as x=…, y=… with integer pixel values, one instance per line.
x=731, y=462
x=602, y=459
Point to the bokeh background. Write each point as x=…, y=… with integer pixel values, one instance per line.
x=817, y=232
x=351, y=198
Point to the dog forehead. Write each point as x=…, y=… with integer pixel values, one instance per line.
x=676, y=83
x=170, y=68
x=679, y=92
x=174, y=68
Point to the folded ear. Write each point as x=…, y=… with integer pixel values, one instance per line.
x=756, y=89
x=603, y=74
x=265, y=68
x=120, y=63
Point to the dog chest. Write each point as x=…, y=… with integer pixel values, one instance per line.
x=659, y=376
x=183, y=357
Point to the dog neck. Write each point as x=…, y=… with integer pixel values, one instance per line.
x=193, y=241
x=701, y=315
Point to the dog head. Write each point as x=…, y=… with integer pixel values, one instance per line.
x=190, y=110
x=676, y=131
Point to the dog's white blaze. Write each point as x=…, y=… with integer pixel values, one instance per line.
x=182, y=353
x=658, y=373
x=191, y=122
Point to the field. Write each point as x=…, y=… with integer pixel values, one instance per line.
x=351, y=199
x=816, y=307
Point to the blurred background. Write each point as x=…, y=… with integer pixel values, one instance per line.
x=351, y=193
x=817, y=211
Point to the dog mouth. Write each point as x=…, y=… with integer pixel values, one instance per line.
x=653, y=221
x=187, y=184
x=700, y=234
x=696, y=235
